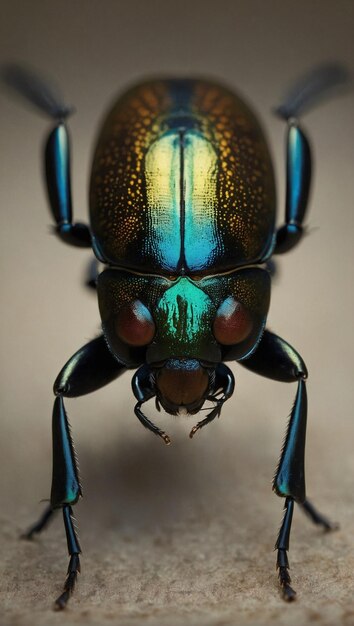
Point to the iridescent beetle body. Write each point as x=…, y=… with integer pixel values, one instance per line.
x=182, y=205
x=182, y=181
x=182, y=189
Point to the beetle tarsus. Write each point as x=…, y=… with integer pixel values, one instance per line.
x=166, y=438
x=282, y=546
x=194, y=430
x=74, y=563
x=69, y=585
x=288, y=593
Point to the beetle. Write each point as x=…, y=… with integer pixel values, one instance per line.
x=182, y=216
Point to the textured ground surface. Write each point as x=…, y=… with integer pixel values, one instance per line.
x=183, y=535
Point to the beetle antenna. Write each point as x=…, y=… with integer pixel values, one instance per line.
x=35, y=90
x=311, y=88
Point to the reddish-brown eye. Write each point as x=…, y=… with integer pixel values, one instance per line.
x=233, y=323
x=134, y=324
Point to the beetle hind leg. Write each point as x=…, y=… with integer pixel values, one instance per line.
x=310, y=88
x=297, y=188
x=316, y=517
x=40, y=525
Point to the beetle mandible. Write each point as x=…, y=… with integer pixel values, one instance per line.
x=182, y=207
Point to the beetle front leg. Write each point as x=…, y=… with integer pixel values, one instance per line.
x=66, y=490
x=274, y=358
x=90, y=368
x=289, y=481
x=282, y=546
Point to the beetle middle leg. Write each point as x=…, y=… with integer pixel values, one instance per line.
x=316, y=517
x=91, y=274
x=90, y=368
x=40, y=525
x=276, y=359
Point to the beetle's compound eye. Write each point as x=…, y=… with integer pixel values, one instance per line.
x=134, y=324
x=233, y=323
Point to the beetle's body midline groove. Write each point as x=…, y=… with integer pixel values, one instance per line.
x=182, y=180
x=182, y=260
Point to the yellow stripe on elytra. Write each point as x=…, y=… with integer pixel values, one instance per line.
x=162, y=173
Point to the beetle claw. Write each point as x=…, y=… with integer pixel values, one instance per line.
x=288, y=593
x=165, y=438
x=210, y=417
x=194, y=430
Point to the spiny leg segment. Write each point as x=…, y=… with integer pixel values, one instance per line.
x=276, y=359
x=90, y=368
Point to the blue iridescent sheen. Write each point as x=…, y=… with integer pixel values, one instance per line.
x=201, y=241
x=290, y=477
x=299, y=171
x=182, y=181
x=57, y=165
x=65, y=482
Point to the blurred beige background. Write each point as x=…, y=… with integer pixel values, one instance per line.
x=179, y=535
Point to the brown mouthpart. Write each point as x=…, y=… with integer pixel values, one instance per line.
x=182, y=383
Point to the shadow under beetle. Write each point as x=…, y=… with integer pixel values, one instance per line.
x=182, y=208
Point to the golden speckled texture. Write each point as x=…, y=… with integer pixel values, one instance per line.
x=148, y=194
x=246, y=195
x=117, y=199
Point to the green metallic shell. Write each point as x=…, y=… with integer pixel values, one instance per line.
x=182, y=181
